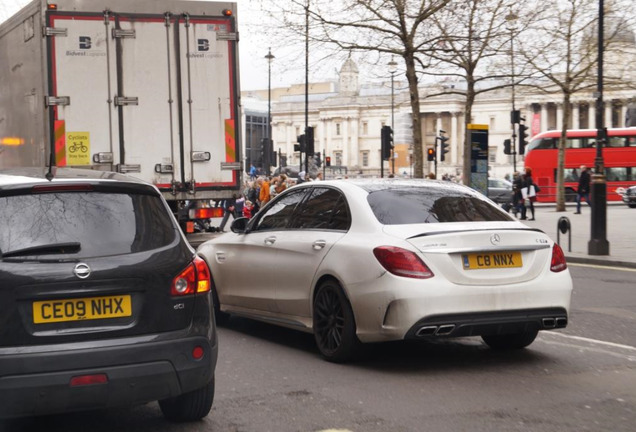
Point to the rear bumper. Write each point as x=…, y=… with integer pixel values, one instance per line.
x=36, y=380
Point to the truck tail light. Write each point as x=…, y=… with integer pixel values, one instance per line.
x=206, y=213
x=195, y=278
x=402, y=262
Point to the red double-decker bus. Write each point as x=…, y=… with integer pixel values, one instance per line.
x=619, y=157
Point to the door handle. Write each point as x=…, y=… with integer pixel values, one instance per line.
x=270, y=241
x=319, y=244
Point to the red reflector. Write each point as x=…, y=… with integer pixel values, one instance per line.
x=83, y=380
x=197, y=352
x=208, y=212
x=402, y=262
x=189, y=227
x=62, y=188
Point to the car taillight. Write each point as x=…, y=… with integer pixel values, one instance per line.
x=194, y=279
x=402, y=262
x=558, y=259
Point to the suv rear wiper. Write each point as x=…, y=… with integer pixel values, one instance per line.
x=54, y=248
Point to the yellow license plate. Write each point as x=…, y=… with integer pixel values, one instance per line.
x=51, y=311
x=491, y=260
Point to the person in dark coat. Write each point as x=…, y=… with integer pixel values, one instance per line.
x=583, y=190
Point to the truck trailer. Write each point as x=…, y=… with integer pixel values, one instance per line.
x=144, y=87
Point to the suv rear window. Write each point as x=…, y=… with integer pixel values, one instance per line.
x=101, y=223
x=397, y=206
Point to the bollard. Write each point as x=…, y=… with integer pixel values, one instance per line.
x=563, y=226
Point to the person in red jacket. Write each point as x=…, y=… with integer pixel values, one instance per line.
x=247, y=209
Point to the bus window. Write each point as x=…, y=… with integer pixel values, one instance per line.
x=569, y=175
x=616, y=174
x=617, y=142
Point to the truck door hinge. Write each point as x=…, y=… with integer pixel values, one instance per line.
x=124, y=34
x=123, y=101
x=54, y=31
x=227, y=36
x=57, y=100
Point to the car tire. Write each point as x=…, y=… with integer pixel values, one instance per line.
x=631, y=205
x=334, y=324
x=510, y=341
x=189, y=406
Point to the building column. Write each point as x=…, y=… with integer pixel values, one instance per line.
x=591, y=115
x=354, y=145
x=544, y=117
x=559, y=115
x=608, y=114
x=346, y=135
x=454, y=138
x=575, y=115
x=621, y=121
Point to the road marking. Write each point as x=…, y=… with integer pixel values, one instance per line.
x=594, y=341
x=601, y=266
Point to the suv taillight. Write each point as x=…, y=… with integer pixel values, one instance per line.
x=558, y=259
x=402, y=262
x=195, y=278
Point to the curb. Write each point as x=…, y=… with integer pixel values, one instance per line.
x=600, y=262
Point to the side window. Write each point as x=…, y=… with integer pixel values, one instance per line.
x=325, y=209
x=278, y=215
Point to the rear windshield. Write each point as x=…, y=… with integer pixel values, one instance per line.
x=430, y=205
x=101, y=223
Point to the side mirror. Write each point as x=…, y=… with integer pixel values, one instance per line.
x=239, y=225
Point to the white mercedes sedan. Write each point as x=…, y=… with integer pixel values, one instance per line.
x=358, y=261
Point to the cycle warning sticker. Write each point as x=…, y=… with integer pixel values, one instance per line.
x=78, y=148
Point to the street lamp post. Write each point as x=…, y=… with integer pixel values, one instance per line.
x=598, y=244
x=269, y=150
x=393, y=68
x=511, y=18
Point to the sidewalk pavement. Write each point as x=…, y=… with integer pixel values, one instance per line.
x=621, y=233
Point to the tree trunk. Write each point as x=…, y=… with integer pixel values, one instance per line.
x=468, y=113
x=560, y=195
x=411, y=76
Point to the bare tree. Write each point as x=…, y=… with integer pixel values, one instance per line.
x=562, y=50
x=473, y=36
x=379, y=28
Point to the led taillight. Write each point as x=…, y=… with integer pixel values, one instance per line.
x=206, y=213
x=58, y=187
x=558, y=259
x=402, y=262
x=195, y=278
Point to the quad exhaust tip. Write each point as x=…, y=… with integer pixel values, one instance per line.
x=441, y=330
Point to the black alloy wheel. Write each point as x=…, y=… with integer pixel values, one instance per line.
x=334, y=324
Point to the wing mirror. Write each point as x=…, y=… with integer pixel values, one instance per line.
x=239, y=225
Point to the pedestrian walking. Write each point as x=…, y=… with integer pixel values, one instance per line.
x=517, y=197
x=529, y=192
x=583, y=190
x=252, y=172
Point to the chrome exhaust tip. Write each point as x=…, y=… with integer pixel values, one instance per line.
x=445, y=330
x=548, y=322
x=426, y=331
x=561, y=322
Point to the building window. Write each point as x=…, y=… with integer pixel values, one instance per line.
x=338, y=157
x=492, y=155
x=365, y=128
x=365, y=159
x=338, y=129
x=492, y=123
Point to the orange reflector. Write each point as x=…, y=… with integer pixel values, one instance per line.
x=83, y=380
x=190, y=227
x=197, y=352
x=52, y=6
x=227, y=12
x=208, y=212
x=12, y=141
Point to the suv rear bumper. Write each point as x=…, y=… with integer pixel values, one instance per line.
x=139, y=370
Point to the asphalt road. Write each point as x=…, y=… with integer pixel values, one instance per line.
x=582, y=378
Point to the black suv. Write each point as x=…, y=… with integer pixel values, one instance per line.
x=102, y=301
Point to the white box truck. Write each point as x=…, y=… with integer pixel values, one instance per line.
x=145, y=87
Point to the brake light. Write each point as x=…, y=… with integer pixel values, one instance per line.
x=206, y=213
x=82, y=187
x=558, y=263
x=195, y=278
x=402, y=262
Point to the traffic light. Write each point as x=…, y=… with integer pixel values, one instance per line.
x=327, y=161
x=317, y=159
x=309, y=140
x=274, y=158
x=507, y=148
x=523, y=138
x=443, y=147
x=515, y=116
x=387, y=142
x=300, y=147
x=431, y=154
